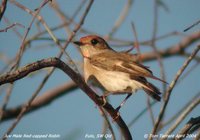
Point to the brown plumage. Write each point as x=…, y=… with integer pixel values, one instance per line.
x=117, y=72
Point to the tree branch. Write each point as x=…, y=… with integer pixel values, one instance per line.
x=173, y=50
x=26, y=106
x=185, y=130
x=40, y=101
x=181, y=117
x=55, y=62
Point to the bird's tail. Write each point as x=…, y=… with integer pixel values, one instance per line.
x=151, y=90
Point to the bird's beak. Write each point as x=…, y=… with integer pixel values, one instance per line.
x=78, y=43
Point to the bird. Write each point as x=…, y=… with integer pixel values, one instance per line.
x=116, y=72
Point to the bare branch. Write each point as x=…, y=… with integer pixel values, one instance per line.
x=40, y=101
x=182, y=117
x=11, y=26
x=121, y=17
x=22, y=46
x=140, y=114
x=180, y=111
x=7, y=21
x=15, y=66
x=55, y=62
x=177, y=113
x=6, y=100
x=184, y=131
x=173, y=50
x=136, y=43
x=40, y=18
x=25, y=108
x=169, y=90
x=177, y=49
x=149, y=107
x=153, y=45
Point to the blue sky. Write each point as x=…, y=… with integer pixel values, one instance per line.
x=75, y=113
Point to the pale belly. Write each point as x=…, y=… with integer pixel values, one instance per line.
x=116, y=81
x=112, y=81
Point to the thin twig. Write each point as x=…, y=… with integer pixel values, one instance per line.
x=121, y=18
x=180, y=111
x=187, y=54
x=11, y=26
x=136, y=42
x=149, y=107
x=22, y=46
x=192, y=68
x=49, y=31
x=140, y=114
x=191, y=26
x=8, y=63
x=24, y=109
x=182, y=117
x=122, y=42
x=7, y=21
x=37, y=35
x=107, y=123
x=6, y=100
x=174, y=49
x=63, y=16
x=159, y=58
x=171, y=87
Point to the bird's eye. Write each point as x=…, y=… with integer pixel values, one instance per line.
x=94, y=41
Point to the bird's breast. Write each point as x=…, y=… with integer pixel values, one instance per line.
x=112, y=81
x=88, y=69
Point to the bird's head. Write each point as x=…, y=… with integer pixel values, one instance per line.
x=91, y=45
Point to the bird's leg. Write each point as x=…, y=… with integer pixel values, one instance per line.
x=123, y=102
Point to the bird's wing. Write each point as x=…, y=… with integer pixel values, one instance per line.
x=122, y=62
x=119, y=62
